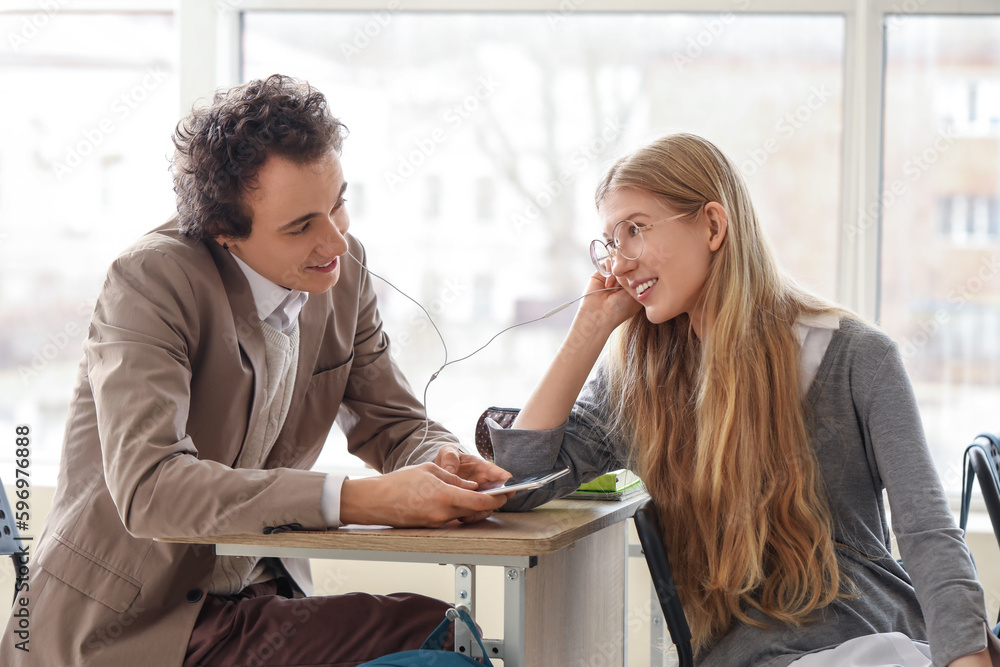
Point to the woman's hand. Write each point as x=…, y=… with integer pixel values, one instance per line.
x=601, y=313
x=618, y=304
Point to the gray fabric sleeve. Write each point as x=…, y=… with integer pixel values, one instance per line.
x=932, y=548
x=582, y=443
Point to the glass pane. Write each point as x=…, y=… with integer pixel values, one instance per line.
x=90, y=103
x=477, y=140
x=941, y=223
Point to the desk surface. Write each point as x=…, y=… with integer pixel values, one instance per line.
x=541, y=531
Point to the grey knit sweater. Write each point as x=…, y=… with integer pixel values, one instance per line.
x=867, y=435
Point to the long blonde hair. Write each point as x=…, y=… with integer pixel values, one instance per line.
x=718, y=426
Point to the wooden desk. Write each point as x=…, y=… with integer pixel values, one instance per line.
x=564, y=572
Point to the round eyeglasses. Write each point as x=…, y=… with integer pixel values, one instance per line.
x=626, y=240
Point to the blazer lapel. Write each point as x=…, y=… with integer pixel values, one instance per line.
x=246, y=324
x=312, y=322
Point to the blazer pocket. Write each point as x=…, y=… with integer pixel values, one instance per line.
x=314, y=417
x=88, y=575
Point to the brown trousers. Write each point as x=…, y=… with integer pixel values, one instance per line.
x=264, y=626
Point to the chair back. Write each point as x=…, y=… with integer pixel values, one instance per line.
x=647, y=524
x=9, y=544
x=982, y=462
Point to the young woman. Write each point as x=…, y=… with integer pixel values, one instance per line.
x=765, y=423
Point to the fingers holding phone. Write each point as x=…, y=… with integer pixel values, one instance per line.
x=469, y=467
x=423, y=495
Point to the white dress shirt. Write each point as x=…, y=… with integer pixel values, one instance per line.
x=276, y=305
x=280, y=307
x=815, y=333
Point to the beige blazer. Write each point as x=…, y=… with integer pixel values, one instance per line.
x=164, y=400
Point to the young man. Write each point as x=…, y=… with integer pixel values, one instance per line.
x=223, y=346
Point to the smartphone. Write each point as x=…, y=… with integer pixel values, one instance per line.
x=520, y=482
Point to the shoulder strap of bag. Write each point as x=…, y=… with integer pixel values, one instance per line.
x=436, y=639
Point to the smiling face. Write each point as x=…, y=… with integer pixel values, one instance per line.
x=299, y=223
x=668, y=278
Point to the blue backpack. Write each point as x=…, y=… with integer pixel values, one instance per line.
x=430, y=652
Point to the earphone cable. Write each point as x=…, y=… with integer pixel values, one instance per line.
x=521, y=324
x=444, y=345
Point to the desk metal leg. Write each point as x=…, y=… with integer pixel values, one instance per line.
x=465, y=596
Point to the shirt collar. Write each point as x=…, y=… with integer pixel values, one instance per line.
x=820, y=320
x=807, y=322
x=276, y=305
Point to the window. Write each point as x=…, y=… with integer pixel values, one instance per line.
x=510, y=119
x=971, y=106
x=941, y=248
x=970, y=220
x=477, y=139
x=90, y=103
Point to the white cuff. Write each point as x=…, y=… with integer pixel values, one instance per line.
x=330, y=500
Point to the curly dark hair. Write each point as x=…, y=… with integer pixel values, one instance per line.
x=221, y=147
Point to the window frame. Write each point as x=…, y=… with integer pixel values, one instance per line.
x=860, y=217
x=209, y=58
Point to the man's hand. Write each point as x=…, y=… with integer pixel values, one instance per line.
x=423, y=495
x=469, y=467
